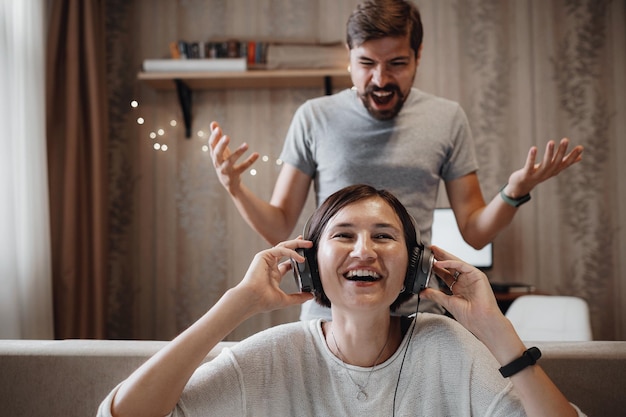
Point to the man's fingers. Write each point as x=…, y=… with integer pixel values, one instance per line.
x=219, y=150
x=530, y=159
x=247, y=163
x=548, y=156
x=216, y=135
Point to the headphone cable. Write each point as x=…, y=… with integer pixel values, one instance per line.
x=406, y=349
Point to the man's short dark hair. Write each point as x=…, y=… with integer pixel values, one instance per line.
x=376, y=19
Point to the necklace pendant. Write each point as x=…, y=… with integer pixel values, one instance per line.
x=361, y=395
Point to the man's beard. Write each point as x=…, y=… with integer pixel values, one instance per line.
x=383, y=114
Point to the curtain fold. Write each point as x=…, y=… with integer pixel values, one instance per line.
x=77, y=127
x=25, y=264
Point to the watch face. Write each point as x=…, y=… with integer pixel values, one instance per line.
x=534, y=353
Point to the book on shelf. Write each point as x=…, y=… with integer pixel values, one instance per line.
x=240, y=55
x=215, y=55
x=511, y=287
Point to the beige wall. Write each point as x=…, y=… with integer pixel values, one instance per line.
x=178, y=242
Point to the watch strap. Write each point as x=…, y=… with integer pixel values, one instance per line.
x=528, y=358
x=515, y=202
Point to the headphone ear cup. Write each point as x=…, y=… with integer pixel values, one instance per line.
x=411, y=272
x=426, y=268
x=306, y=273
x=419, y=270
x=311, y=259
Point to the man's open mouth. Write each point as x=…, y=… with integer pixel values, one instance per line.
x=382, y=97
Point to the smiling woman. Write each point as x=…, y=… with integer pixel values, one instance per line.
x=361, y=239
x=352, y=226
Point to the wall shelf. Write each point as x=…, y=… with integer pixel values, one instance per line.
x=248, y=79
x=185, y=82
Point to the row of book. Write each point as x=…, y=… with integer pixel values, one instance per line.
x=239, y=55
x=255, y=52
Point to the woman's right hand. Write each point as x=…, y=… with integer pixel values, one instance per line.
x=155, y=387
x=260, y=287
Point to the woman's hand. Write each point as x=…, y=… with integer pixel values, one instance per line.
x=474, y=305
x=472, y=302
x=260, y=287
x=156, y=386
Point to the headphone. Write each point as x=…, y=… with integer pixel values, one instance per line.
x=418, y=273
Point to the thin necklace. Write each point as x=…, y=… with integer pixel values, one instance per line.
x=361, y=395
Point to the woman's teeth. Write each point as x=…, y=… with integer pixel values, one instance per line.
x=362, y=275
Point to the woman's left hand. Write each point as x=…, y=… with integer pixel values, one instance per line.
x=472, y=302
x=474, y=305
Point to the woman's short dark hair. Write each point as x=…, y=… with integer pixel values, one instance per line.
x=344, y=197
x=376, y=19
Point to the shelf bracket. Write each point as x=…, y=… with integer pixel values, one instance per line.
x=184, y=98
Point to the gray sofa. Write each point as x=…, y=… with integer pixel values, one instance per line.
x=71, y=377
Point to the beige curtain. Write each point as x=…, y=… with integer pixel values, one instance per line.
x=25, y=260
x=77, y=155
x=526, y=71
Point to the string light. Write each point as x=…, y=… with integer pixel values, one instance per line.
x=160, y=132
x=265, y=159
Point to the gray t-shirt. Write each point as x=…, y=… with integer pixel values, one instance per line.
x=288, y=370
x=336, y=141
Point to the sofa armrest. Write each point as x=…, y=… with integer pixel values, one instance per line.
x=68, y=377
x=590, y=374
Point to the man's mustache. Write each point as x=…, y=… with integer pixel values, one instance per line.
x=391, y=88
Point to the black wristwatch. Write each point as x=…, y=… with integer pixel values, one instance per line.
x=528, y=358
x=515, y=202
